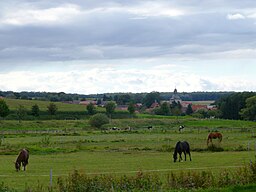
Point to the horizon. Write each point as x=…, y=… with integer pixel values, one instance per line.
x=96, y=47
x=129, y=92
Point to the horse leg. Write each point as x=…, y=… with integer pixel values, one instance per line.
x=185, y=156
x=189, y=155
x=24, y=165
x=180, y=157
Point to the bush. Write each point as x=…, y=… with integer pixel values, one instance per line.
x=98, y=120
x=81, y=182
x=215, y=148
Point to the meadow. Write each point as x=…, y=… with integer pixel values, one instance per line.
x=64, y=146
x=67, y=145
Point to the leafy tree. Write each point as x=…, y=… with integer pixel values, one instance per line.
x=231, y=105
x=249, y=112
x=151, y=98
x=131, y=108
x=175, y=108
x=110, y=108
x=189, y=110
x=165, y=108
x=21, y=112
x=52, y=109
x=98, y=120
x=90, y=108
x=35, y=110
x=214, y=113
x=99, y=101
x=4, y=109
x=203, y=112
x=122, y=99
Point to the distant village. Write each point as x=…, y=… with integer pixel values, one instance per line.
x=174, y=98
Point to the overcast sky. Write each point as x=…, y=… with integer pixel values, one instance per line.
x=99, y=46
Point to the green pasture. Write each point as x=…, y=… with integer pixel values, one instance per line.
x=114, y=163
x=66, y=145
x=15, y=103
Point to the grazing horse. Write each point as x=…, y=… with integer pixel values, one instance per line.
x=22, y=158
x=214, y=135
x=179, y=148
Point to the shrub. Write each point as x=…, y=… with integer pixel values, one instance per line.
x=215, y=148
x=81, y=182
x=98, y=120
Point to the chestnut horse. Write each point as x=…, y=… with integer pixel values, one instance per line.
x=22, y=159
x=214, y=135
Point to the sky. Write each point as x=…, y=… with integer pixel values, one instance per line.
x=99, y=46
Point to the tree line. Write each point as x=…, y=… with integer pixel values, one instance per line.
x=232, y=106
x=119, y=98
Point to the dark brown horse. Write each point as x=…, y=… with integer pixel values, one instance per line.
x=22, y=158
x=181, y=147
x=214, y=135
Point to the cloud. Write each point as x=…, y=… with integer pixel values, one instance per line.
x=34, y=16
x=144, y=45
x=112, y=79
x=235, y=16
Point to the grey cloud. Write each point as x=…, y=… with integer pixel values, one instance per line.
x=115, y=35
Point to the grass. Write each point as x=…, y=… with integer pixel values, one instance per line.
x=117, y=163
x=14, y=104
x=66, y=145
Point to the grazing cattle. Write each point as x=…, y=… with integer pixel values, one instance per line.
x=128, y=128
x=114, y=129
x=179, y=148
x=22, y=158
x=150, y=127
x=214, y=135
x=181, y=128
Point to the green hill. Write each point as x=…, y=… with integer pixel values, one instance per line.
x=14, y=104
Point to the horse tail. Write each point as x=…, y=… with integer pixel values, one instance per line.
x=208, y=139
x=220, y=136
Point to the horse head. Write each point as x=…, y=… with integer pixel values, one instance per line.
x=175, y=157
x=17, y=166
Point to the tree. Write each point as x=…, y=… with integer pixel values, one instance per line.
x=189, y=110
x=35, y=110
x=110, y=108
x=165, y=108
x=4, y=109
x=151, y=98
x=131, y=108
x=90, y=108
x=176, y=108
x=98, y=120
x=52, y=109
x=249, y=112
x=21, y=112
x=231, y=105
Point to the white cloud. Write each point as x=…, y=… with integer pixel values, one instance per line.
x=35, y=16
x=235, y=16
x=110, y=79
x=155, y=9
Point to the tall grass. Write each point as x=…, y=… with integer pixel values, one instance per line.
x=78, y=181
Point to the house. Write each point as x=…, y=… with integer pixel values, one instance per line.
x=154, y=105
x=88, y=102
x=196, y=107
x=122, y=107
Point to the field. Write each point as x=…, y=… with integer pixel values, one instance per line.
x=64, y=146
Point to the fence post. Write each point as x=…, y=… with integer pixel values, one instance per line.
x=50, y=178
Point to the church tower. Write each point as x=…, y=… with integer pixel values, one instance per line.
x=175, y=97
